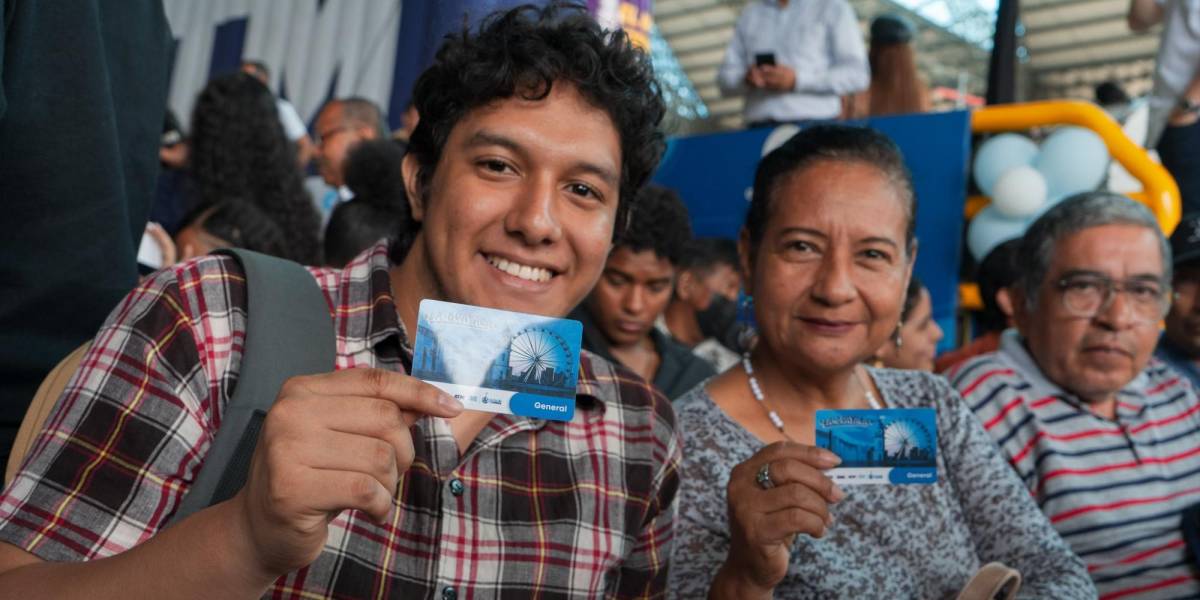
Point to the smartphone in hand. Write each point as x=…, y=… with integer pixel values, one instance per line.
x=764, y=58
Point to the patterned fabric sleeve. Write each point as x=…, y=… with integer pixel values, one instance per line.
x=699, y=550
x=1005, y=522
x=124, y=441
x=702, y=532
x=644, y=573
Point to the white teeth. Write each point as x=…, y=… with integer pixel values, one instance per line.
x=517, y=270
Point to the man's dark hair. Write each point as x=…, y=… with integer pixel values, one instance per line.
x=997, y=270
x=1110, y=92
x=243, y=172
x=259, y=66
x=379, y=207
x=659, y=222
x=524, y=52
x=843, y=143
x=254, y=227
x=705, y=254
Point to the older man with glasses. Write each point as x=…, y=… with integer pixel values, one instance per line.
x=1106, y=437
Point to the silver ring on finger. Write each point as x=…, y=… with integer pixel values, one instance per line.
x=763, y=477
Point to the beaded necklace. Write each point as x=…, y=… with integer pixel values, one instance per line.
x=774, y=417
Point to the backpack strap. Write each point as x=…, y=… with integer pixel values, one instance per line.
x=289, y=332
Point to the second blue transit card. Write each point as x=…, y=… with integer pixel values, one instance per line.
x=499, y=361
x=888, y=446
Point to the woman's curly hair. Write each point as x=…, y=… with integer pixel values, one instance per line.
x=243, y=172
x=524, y=52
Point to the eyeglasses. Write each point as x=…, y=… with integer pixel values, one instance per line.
x=1089, y=295
x=329, y=134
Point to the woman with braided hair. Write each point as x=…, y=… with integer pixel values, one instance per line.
x=244, y=188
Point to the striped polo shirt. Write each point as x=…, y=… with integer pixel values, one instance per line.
x=1114, y=489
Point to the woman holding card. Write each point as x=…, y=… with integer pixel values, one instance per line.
x=827, y=252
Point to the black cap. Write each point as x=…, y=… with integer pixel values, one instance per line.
x=891, y=29
x=1185, y=242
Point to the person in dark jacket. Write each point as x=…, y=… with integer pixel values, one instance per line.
x=619, y=315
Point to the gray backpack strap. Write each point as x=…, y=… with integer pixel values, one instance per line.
x=289, y=332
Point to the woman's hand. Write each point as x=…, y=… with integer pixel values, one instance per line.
x=764, y=519
x=163, y=240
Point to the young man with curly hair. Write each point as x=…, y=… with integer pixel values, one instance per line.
x=366, y=482
x=637, y=284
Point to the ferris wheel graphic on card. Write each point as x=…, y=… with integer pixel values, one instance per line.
x=499, y=361
x=889, y=446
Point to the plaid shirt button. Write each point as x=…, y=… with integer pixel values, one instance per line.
x=448, y=592
x=456, y=488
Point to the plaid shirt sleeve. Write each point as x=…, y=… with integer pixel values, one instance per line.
x=644, y=573
x=129, y=432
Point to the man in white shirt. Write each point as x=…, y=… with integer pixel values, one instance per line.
x=1175, y=100
x=793, y=60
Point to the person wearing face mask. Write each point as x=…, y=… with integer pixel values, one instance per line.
x=1102, y=434
x=703, y=311
x=914, y=345
x=619, y=314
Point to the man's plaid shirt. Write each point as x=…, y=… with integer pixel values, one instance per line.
x=532, y=508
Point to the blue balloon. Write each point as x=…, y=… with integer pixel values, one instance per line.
x=1000, y=154
x=1072, y=160
x=989, y=229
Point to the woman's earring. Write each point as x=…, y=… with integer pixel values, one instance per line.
x=896, y=339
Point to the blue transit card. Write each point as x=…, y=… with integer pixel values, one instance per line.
x=892, y=445
x=499, y=361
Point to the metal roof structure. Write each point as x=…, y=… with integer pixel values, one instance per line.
x=1067, y=47
x=1075, y=44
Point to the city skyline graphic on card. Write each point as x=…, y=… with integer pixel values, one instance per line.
x=499, y=361
x=887, y=446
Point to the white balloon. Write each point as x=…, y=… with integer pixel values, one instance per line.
x=999, y=154
x=1019, y=192
x=780, y=135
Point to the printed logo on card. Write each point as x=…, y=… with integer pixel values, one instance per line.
x=888, y=446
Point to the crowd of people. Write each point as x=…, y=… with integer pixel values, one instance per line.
x=1068, y=432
